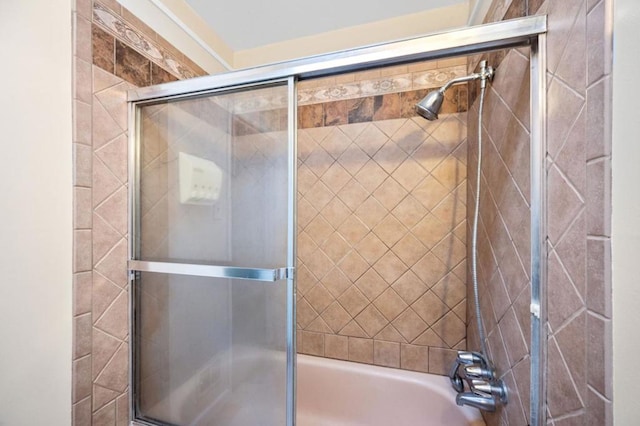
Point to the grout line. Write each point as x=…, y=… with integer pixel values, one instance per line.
x=570, y=319
x=598, y=394
x=557, y=78
x=599, y=237
x=600, y=159
x=599, y=316
x=598, y=81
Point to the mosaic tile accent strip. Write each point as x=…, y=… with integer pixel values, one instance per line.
x=392, y=84
x=136, y=40
x=426, y=75
x=382, y=241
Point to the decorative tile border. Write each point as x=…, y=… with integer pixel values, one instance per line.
x=333, y=92
x=126, y=33
x=392, y=84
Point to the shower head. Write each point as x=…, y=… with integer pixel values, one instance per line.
x=430, y=105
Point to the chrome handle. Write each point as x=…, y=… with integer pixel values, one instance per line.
x=212, y=271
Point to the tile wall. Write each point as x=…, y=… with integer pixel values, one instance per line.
x=504, y=230
x=579, y=363
x=113, y=52
x=382, y=230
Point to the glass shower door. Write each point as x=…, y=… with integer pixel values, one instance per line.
x=212, y=258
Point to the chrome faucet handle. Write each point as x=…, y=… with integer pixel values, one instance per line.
x=455, y=378
x=495, y=388
x=467, y=358
x=479, y=401
x=479, y=372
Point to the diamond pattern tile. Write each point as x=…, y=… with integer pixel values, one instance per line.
x=320, y=264
x=336, y=282
x=409, y=211
x=429, y=307
x=409, y=325
x=409, y=137
x=390, y=230
x=409, y=249
x=319, y=298
x=335, y=143
x=336, y=317
x=371, y=212
x=369, y=247
x=390, y=193
x=319, y=195
x=371, y=175
x=390, y=156
x=371, y=140
x=353, y=194
x=390, y=304
x=353, y=159
x=335, y=212
x=430, y=192
x=409, y=287
x=390, y=267
x=353, y=230
x=353, y=301
x=353, y=265
x=371, y=320
x=335, y=247
x=319, y=230
x=409, y=174
x=335, y=178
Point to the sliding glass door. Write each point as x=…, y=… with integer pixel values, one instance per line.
x=212, y=257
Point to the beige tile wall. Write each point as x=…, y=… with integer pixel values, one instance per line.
x=504, y=232
x=382, y=241
x=579, y=363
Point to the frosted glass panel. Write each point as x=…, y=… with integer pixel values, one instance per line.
x=213, y=179
x=211, y=351
x=212, y=189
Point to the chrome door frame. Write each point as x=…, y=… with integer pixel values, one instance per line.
x=465, y=41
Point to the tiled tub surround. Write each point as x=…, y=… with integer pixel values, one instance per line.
x=579, y=362
x=382, y=236
x=504, y=231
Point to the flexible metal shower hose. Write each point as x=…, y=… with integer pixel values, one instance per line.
x=474, y=236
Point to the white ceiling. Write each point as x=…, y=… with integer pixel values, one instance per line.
x=248, y=24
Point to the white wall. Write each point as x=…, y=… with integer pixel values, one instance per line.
x=477, y=11
x=626, y=211
x=36, y=211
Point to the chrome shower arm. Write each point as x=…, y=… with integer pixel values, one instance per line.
x=464, y=79
x=486, y=73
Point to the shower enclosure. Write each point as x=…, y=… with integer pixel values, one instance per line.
x=213, y=231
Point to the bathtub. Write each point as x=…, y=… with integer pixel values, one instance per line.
x=342, y=393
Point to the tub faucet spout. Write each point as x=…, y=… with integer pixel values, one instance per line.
x=481, y=402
